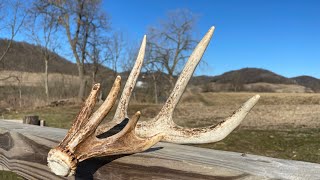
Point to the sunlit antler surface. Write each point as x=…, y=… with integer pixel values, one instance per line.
x=82, y=140
x=163, y=122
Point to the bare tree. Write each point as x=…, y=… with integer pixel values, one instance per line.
x=10, y=24
x=171, y=41
x=98, y=53
x=94, y=57
x=42, y=29
x=116, y=48
x=10, y=27
x=154, y=72
x=153, y=69
x=78, y=18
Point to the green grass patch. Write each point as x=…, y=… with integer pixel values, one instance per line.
x=295, y=144
x=8, y=175
x=59, y=117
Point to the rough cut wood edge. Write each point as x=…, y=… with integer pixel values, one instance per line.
x=23, y=149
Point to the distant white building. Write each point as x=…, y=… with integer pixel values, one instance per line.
x=141, y=84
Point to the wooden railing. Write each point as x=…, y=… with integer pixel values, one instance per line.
x=24, y=148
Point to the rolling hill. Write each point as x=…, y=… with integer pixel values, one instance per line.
x=25, y=57
x=308, y=81
x=256, y=79
x=252, y=75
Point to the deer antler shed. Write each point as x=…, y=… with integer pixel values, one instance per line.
x=81, y=141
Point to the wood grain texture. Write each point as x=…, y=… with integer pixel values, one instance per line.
x=24, y=148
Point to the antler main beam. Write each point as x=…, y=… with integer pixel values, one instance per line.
x=82, y=140
x=176, y=134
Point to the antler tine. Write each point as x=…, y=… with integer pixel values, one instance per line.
x=84, y=113
x=121, y=111
x=97, y=117
x=186, y=74
x=122, y=108
x=163, y=122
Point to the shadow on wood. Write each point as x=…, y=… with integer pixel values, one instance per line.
x=88, y=168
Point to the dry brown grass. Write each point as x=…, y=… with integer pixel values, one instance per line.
x=35, y=79
x=274, y=110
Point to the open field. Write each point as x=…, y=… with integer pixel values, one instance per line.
x=282, y=125
x=36, y=79
x=273, y=111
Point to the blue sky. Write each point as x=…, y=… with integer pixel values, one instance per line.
x=279, y=35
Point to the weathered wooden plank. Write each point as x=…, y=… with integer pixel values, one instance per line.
x=24, y=148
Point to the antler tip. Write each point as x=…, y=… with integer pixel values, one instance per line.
x=209, y=33
x=136, y=116
x=96, y=86
x=256, y=97
x=144, y=40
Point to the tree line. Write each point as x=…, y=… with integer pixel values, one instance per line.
x=86, y=31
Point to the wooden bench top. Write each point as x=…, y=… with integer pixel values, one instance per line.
x=24, y=148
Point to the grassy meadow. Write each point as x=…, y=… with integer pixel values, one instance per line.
x=281, y=125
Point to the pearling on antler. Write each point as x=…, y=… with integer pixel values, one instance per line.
x=82, y=143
